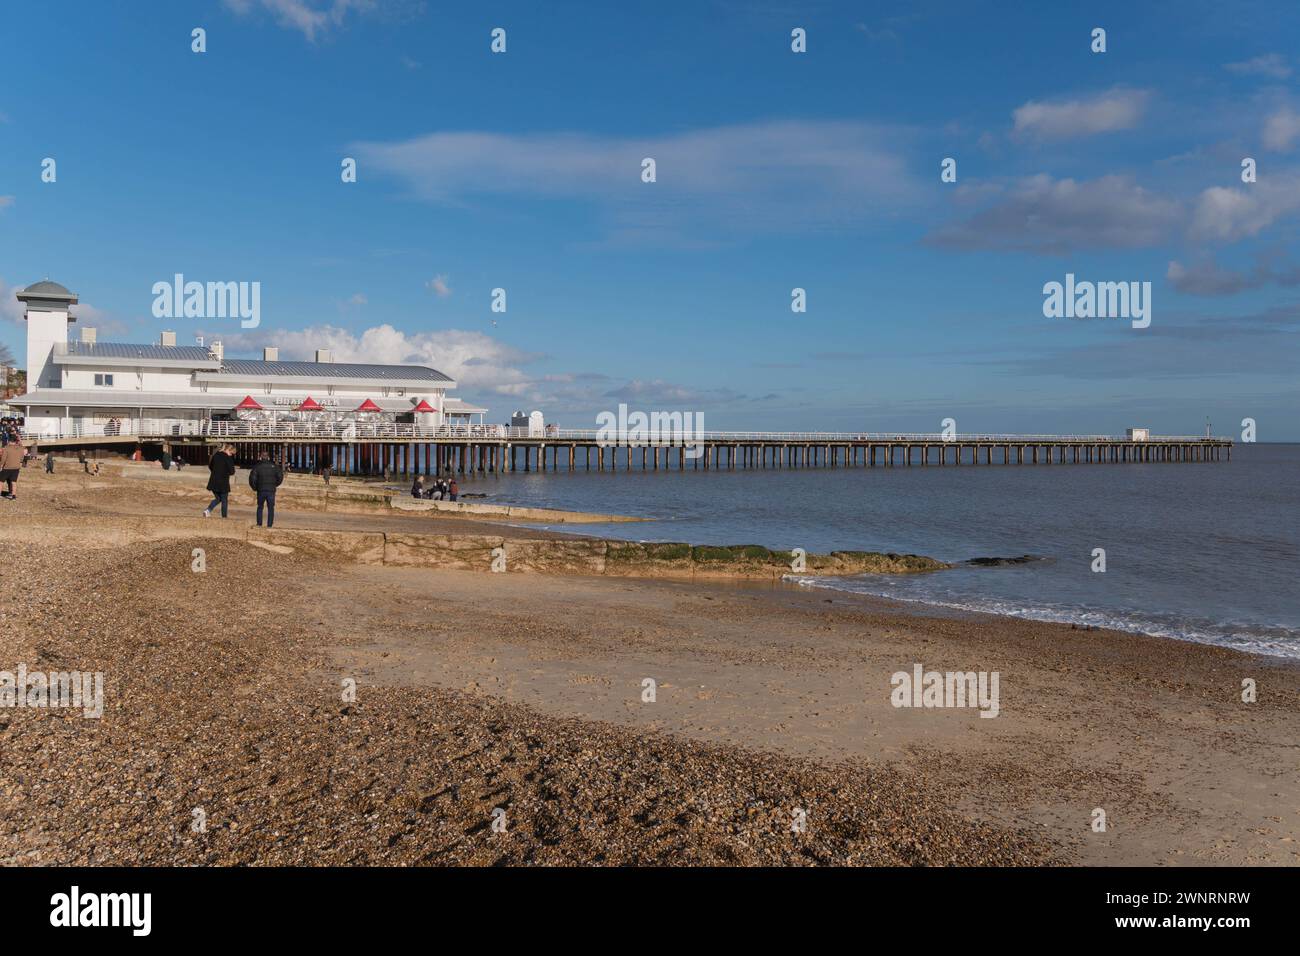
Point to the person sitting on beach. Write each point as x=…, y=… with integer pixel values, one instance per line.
x=417, y=488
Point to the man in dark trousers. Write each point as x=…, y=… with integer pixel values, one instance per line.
x=222, y=467
x=264, y=478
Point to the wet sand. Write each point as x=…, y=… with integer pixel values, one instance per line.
x=479, y=690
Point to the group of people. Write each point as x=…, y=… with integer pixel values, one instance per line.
x=264, y=478
x=439, y=489
x=11, y=430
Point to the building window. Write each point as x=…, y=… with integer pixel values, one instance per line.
x=105, y=378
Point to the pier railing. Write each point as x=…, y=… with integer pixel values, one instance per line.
x=379, y=430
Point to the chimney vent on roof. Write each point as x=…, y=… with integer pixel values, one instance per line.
x=270, y=353
x=168, y=338
x=87, y=336
x=217, y=350
x=324, y=355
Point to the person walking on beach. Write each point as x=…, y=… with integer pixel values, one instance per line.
x=83, y=462
x=11, y=460
x=453, y=490
x=222, y=468
x=49, y=462
x=417, y=488
x=325, y=473
x=264, y=478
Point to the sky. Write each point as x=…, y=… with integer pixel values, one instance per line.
x=775, y=170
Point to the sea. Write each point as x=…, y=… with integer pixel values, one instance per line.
x=1206, y=552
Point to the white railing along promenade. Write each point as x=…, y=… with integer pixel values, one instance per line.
x=368, y=431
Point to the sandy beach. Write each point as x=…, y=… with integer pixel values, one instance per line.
x=771, y=736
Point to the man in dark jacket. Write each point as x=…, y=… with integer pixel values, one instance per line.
x=222, y=467
x=264, y=478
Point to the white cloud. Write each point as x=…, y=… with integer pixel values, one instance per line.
x=1042, y=214
x=309, y=18
x=439, y=286
x=1206, y=278
x=1273, y=65
x=6, y=201
x=10, y=308
x=1227, y=215
x=1280, y=129
x=473, y=359
x=482, y=366
x=1107, y=112
x=781, y=174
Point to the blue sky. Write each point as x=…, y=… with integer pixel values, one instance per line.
x=775, y=170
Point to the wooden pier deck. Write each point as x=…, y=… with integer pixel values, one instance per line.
x=407, y=450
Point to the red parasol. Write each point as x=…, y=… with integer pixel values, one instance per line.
x=248, y=402
x=368, y=406
x=424, y=407
x=310, y=404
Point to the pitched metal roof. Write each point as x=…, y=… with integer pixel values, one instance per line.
x=459, y=407
x=128, y=350
x=256, y=368
x=374, y=373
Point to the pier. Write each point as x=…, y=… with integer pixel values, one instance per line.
x=406, y=449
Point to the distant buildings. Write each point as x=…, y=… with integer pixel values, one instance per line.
x=13, y=381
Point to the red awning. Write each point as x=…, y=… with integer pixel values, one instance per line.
x=248, y=402
x=424, y=407
x=368, y=406
x=309, y=404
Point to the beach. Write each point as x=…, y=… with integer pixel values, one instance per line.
x=771, y=736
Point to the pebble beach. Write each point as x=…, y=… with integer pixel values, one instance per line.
x=277, y=708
